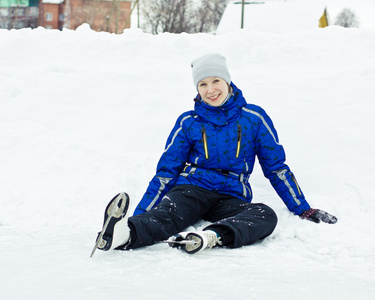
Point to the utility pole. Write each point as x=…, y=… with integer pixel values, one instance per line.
x=242, y=13
x=243, y=9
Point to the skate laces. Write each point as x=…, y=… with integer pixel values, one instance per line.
x=212, y=238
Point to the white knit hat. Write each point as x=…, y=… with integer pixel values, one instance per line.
x=210, y=65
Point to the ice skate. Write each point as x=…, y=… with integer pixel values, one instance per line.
x=195, y=241
x=115, y=230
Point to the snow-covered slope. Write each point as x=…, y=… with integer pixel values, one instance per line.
x=85, y=115
x=278, y=16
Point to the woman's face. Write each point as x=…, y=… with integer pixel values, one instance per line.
x=213, y=90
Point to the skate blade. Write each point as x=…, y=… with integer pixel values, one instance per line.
x=98, y=242
x=111, y=212
x=183, y=242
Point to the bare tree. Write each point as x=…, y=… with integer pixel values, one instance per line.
x=209, y=15
x=178, y=16
x=164, y=15
x=347, y=18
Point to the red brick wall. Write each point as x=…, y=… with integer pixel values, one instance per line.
x=109, y=16
x=47, y=10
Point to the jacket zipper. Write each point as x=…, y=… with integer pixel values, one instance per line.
x=295, y=181
x=204, y=137
x=239, y=136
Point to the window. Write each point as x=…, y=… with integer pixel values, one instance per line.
x=20, y=12
x=49, y=16
x=4, y=12
x=19, y=25
x=33, y=11
x=4, y=25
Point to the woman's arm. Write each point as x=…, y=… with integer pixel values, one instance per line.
x=170, y=165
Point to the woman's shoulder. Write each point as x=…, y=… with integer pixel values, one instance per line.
x=254, y=110
x=187, y=116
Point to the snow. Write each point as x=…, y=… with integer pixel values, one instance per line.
x=85, y=115
x=277, y=16
x=52, y=1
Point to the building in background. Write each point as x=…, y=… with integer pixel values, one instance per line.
x=110, y=16
x=101, y=15
x=17, y=14
x=51, y=14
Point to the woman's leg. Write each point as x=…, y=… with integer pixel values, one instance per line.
x=240, y=223
x=180, y=208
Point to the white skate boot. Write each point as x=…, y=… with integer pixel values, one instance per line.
x=115, y=231
x=195, y=241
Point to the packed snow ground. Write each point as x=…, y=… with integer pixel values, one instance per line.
x=85, y=115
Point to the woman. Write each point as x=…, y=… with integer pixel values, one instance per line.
x=203, y=174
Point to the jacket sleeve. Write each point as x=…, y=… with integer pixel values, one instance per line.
x=272, y=158
x=169, y=167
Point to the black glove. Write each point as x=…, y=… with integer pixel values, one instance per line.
x=317, y=215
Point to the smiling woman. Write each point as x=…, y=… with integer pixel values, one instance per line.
x=203, y=175
x=212, y=79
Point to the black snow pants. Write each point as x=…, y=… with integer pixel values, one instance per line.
x=237, y=222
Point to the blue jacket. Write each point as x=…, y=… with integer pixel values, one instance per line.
x=215, y=148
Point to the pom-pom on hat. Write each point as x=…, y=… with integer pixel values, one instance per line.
x=210, y=65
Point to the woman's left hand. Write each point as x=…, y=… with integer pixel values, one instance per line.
x=317, y=215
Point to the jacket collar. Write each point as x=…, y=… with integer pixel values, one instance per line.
x=224, y=114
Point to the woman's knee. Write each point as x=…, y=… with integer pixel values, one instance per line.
x=267, y=212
